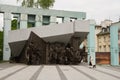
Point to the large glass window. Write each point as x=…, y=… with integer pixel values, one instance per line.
x=31, y=21
x=45, y=20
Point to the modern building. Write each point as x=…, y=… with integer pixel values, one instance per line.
x=33, y=17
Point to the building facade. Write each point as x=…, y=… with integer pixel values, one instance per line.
x=98, y=29
x=103, y=40
x=103, y=36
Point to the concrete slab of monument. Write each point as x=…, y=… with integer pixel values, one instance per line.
x=51, y=33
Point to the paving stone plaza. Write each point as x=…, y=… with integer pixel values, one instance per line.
x=58, y=72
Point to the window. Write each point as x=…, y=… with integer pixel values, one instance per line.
x=99, y=39
x=104, y=38
x=31, y=21
x=59, y=20
x=109, y=47
x=73, y=19
x=99, y=48
x=15, y=23
x=46, y=20
x=104, y=48
x=104, y=30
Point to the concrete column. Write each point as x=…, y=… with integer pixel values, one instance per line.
x=38, y=21
x=53, y=20
x=88, y=45
x=66, y=19
x=23, y=21
x=7, y=27
x=91, y=42
x=114, y=45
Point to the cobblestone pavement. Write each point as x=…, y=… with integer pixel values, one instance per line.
x=58, y=72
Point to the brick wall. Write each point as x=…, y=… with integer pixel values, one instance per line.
x=103, y=57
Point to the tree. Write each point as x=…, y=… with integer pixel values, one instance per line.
x=45, y=4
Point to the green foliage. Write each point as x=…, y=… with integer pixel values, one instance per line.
x=14, y=24
x=45, y=4
x=1, y=44
x=28, y=3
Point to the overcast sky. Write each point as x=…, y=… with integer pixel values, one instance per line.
x=95, y=9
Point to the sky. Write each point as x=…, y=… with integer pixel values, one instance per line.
x=95, y=9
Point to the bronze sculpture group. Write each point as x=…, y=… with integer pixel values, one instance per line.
x=36, y=51
x=61, y=54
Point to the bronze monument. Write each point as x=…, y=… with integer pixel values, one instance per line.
x=35, y=51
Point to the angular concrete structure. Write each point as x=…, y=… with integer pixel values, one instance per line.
x=53, y=33
x=76, y=31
